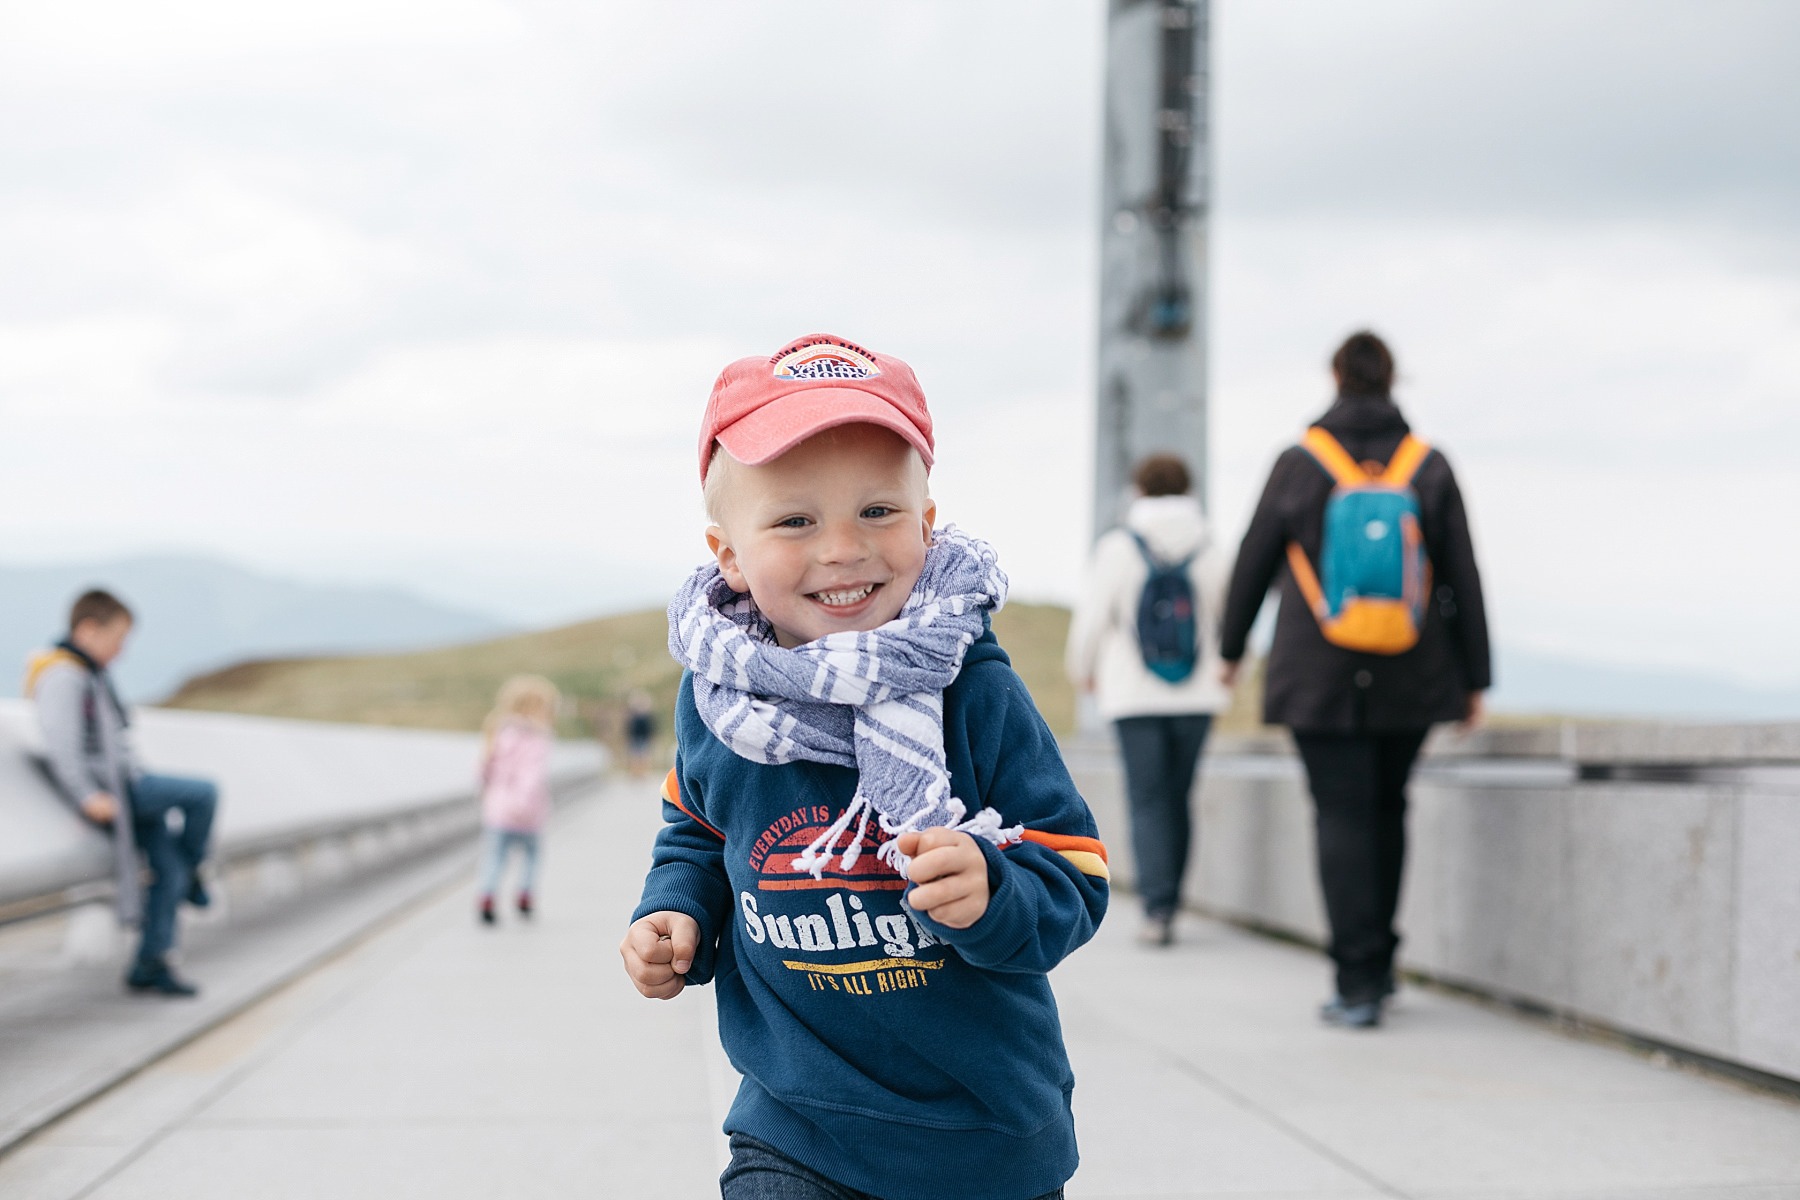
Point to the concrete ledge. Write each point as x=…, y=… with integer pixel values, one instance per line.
x=1619, y=743
x=300, y=802
x=1664, y=907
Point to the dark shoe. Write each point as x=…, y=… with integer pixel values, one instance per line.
x=1364, y=1014
x=524, y=904
x=158, y=978
x=487, y=910
x=197, y=895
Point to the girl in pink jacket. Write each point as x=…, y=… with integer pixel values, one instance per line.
x=515, y=784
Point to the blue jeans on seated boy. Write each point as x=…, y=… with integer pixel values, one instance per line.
x=173, y=856
x=759, y=1172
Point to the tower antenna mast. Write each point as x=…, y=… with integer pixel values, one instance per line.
x=1154, y=201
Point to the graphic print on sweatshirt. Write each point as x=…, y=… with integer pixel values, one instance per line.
x=845, y=931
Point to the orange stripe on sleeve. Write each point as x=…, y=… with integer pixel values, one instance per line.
x=671, y=791
x=1062, y=841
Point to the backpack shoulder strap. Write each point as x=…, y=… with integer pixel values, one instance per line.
x=1172, y=566
x=1149, y=555
x=1331, y=455
x=1306, y=579
x=1409, y=456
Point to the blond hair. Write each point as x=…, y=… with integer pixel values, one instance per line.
x=719, y=469
x=529, y=697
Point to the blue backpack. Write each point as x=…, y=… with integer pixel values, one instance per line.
x=1372, y=553
x=1168, y=617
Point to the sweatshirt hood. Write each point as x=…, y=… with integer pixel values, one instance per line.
x=1172, y=526
x=986, y=646
x=1363, y=415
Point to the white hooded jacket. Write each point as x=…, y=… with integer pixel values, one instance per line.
x=1103, y=644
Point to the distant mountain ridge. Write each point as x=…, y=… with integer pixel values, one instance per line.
x=1532, y=682
x=197, y=614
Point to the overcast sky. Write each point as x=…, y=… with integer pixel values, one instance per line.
x=432, y=293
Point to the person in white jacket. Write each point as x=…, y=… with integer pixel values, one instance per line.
x=1161, y=725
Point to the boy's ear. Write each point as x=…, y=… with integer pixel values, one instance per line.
x=717, y=540
x=928, y=519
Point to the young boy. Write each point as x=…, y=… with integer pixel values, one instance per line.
x=873, y=848
x=84, y=727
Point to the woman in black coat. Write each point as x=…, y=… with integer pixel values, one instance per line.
x=1358, y=719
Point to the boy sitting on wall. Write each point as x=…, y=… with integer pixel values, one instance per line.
x=85, y=728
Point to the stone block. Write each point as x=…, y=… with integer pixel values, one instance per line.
x=1486, y=900
x=1767, y=967
x=1255, y=852
x=1651, y=906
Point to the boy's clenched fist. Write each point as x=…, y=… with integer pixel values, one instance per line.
x=658, y=952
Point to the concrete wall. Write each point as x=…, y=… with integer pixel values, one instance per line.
x=298, y=799
x=1643, y=878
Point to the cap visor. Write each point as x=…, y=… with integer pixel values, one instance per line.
x=786, y=421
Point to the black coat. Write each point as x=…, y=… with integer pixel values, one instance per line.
x=1315, y=686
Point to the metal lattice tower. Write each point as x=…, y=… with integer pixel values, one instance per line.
x=1152, y=384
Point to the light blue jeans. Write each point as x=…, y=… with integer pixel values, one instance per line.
x=495, y=843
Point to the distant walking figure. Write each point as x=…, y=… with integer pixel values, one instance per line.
x=84, y=726
x=1144, y=639
x=1381, y=634
x=515, y=793
x=640, y=730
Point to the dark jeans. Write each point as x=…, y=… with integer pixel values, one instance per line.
x=1359, y=794
x=759, y=1172
x=172, y=856
x=1160, y=755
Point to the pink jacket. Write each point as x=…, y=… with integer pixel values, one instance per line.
x=515, y=776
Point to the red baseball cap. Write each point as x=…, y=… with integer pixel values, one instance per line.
x=763, y=407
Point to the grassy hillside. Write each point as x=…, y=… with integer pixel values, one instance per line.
x=596, y=663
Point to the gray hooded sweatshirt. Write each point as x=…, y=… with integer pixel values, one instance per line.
x=89, y=750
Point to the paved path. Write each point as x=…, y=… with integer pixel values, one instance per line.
x=440, y=1059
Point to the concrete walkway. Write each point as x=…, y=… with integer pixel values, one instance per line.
x=437, y=1058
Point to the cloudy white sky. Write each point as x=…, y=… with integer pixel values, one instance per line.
x=432, y=293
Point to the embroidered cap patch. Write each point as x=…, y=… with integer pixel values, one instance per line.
x=826, y=360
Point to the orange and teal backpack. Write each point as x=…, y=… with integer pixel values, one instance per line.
x=1372, y=554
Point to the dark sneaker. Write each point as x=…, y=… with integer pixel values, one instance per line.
x=524, y=904
x=157, y=978
x=1364, y=1014
x=197, y=895
x=487, y=910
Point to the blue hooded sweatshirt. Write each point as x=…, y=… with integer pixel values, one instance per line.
x=887, y=1052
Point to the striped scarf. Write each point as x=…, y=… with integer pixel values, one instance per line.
x=870, y=699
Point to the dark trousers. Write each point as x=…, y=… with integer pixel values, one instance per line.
x=173, y=857
x=1160, y=754
x=759, y=1172
x=1359, y=796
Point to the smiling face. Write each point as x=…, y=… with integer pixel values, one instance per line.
x=829, y=537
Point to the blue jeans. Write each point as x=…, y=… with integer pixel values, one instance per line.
x=495, y=844
x=1160, y=754
x=759, y=1172
x=173, y=857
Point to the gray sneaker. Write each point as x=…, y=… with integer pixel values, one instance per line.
x=1365, y=1014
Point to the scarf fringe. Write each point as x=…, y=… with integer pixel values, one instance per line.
x=818, y=853
x=870, y=699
